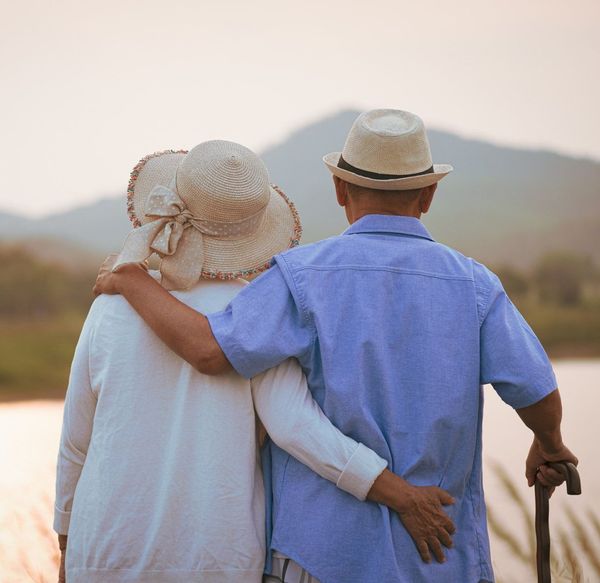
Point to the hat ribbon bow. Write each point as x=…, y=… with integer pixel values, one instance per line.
x=180, y=247
x=168, y=233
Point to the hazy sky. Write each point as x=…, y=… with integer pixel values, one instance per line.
x=87, y=88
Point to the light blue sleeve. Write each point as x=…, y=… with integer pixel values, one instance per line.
x=512, y=358
x=264, y=324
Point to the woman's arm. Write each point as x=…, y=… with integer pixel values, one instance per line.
x=296, y=423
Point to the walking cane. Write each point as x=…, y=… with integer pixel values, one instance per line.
x=542, y=512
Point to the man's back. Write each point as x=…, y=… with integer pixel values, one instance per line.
x=395, y=333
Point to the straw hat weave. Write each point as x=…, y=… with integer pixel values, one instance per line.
x=208, y=213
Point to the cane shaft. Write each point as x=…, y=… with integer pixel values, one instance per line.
x=542, y=533
x=542, y=515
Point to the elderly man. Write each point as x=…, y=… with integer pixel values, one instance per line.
x=396, y=334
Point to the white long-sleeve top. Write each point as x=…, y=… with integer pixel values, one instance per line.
x=158, y=476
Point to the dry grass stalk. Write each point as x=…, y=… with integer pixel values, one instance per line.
x=584, y=541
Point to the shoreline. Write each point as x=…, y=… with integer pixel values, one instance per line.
x=585, y=354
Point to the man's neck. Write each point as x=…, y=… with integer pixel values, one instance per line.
x=355, y=215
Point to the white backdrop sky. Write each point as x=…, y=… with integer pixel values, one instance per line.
x=87, y=88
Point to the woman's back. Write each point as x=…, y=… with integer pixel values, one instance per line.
x=171, y=490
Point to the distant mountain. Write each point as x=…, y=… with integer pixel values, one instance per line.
x=70, y=256
x=98, y=227
x=500, y=205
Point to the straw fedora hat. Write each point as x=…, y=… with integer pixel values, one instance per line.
x=387, y=149
x=208, y=213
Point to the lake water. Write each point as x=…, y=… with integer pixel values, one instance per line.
x=29, y=434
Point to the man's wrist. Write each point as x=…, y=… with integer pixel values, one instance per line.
x=388, y=489
x=126, y=273
x=550, y=441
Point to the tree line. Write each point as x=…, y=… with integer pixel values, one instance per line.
x=558, y=278
x=34, y=289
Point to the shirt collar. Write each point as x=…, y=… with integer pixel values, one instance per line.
x=395, y=224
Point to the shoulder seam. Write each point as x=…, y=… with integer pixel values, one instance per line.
x=384, y=268
x=297, y=293
x=488, y=293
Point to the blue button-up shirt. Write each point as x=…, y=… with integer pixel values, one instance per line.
x=396, y=334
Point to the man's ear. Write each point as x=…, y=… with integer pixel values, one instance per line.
x=426, y=197
x=341, y=191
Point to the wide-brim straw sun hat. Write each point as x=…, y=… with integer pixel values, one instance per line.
x=208, y=213
x=387, y=149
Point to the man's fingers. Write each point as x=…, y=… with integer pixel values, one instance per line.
x=444, y=497
x=109, y=262
x=428, y=524
x=445, y=538
x=448, y=524
x=530, y=475
x=542, y=480
x=436, y=549
x=424, y=551
x=97, y=289
x=551, y=476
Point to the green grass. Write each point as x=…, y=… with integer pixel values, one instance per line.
x=36, y=356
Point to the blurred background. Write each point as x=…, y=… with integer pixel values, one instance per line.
x=508, y=90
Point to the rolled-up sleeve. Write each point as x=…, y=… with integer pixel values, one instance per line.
x=512, y=358
x=78, y=420
x=296, y=423
x=264, y=324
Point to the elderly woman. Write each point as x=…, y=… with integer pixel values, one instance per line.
x=159, y=476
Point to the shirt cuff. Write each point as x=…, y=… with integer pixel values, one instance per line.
x=61, y=521
x=220, y=323
x=361, y=471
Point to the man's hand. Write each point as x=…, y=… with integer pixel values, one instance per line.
x=543, y=418
x=540, y=454
x=107, y=281
x=184, y=330
x=420, y=510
